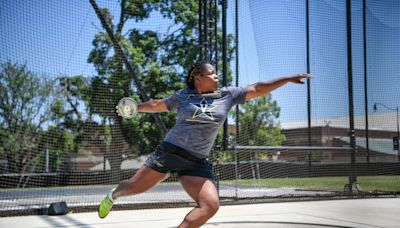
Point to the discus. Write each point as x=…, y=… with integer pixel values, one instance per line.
x=127, y=108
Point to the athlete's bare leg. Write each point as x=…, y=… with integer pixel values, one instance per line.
x=204, y=192
x=144, y=179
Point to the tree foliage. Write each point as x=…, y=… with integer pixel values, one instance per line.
x=24, y=111
x=259, y=124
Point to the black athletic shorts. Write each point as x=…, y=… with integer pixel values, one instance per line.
x=168, y=158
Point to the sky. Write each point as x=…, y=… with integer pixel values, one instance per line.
x=54, y=38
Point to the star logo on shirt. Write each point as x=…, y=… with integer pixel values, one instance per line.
x=203, y=109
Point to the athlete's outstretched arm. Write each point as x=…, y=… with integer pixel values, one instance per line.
x=261, y=88
x=152, y=106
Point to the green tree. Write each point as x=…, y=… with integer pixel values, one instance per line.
x=24, y=111
x=258, y=126
x=58, y=143
x=73, y=125
x=258, y=123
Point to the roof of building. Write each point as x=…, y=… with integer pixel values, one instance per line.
x=382, y=122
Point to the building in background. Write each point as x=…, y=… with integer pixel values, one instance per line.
x=335, y=133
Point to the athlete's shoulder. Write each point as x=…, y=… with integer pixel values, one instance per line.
x=185, y=91
x=230, y=89
x=181, y=93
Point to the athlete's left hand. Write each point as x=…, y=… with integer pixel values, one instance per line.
x=297, y=78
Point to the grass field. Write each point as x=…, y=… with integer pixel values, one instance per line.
x=367, y=183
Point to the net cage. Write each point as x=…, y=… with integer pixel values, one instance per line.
x=65, y=65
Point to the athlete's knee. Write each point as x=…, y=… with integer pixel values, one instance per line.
x=214, y=207
x=211, y=206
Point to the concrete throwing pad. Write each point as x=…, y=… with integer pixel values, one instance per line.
x=276, y=224
x=356, y=213
x=25, y=199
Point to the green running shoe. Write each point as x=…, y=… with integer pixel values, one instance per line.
x=106, y=205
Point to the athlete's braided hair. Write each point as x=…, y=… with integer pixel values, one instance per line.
x=194, y=71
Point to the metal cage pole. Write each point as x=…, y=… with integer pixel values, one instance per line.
x=211, y=29
x=208, y=31
x=353, y=175
x=308, y=82
x=237, y=63
x=237, y=84
x=205, y=27
x=224, y=4
x=200, y=12
x=216, y=35
x=365, y=82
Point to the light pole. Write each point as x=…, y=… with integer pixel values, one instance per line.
x=398, y=133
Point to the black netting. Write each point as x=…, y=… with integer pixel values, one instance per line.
x=61, y=76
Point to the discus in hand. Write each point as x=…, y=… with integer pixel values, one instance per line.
x=127, y=107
